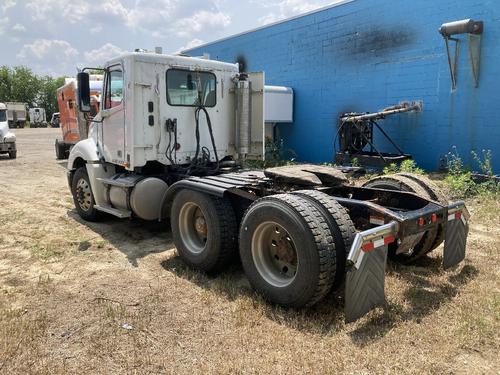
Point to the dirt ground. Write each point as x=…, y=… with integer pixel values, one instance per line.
x=113, y=297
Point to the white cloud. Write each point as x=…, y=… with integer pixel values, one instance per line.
x=74, y=11
x=288, y=8
x=41, y=48
x=100, y=55
x=96, y=29
x=269, y=18
x=7, y=4
x=52, y=10
x=18, y=27
x=3, y=24
x=193, y=43
x=49, y=56
x=201, y=21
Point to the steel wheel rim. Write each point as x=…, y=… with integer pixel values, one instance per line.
x=193, y=228
x=274, y=254
x=84, y=194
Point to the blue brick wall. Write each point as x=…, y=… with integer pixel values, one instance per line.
x=368, y=54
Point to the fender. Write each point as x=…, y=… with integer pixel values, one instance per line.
x=86, y=150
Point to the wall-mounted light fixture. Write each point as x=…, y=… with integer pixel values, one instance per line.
x=474, y=30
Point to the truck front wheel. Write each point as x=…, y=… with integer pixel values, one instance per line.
x=204, y=230
x=83, y=196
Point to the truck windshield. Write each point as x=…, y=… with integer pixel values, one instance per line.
x=186, y=88
x=3, y=115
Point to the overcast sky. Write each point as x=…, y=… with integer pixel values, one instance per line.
x=55, y=36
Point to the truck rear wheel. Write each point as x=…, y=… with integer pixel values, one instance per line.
x=340, y=224
x=13, y=154
x=404, y=183
x=436, y=194
x=83, y=196
x=204, y=230
x=60, y=150
x=287, y=250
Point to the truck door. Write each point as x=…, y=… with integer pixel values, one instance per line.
x=113, y=115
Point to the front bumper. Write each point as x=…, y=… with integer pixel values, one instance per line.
x=367, y=259
x=7, y=146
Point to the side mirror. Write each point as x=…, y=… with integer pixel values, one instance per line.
x=82, y=80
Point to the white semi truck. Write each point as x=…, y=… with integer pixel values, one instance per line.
x=16, y=114
x=168, y=142
x=38, y=117
x=7, y=138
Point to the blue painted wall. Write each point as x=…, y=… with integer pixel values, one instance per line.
x=368, y=54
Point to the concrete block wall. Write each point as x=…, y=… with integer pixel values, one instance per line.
x=365, y=55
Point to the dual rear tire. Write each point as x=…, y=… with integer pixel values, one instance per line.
x=291, y=248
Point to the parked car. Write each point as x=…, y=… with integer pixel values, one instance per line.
x=55, y=121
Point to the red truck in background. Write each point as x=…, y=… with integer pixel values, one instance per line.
x=74, y=123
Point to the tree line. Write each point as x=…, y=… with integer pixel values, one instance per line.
x=20, y=84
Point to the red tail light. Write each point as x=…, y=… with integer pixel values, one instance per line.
x=421, y=222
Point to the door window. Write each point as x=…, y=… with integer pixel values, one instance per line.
x=114, y=89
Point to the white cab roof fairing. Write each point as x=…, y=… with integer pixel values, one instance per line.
x=2, y=106
x=181, y=61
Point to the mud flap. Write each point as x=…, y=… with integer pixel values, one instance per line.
x=457, y=230
x=365, y=280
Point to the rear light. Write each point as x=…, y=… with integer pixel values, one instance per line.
x=177, y=146
x=434, y=218
x=421, y=222
x=458, y=215
x=368, y=247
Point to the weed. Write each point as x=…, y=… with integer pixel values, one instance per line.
x=460, y=179
x=485, y=165
x=406, y=166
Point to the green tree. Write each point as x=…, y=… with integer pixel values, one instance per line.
x=5, y=83
x=47, y=95
x=25, y=85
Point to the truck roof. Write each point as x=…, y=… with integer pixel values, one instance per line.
x=3, y=106
x=175, y=60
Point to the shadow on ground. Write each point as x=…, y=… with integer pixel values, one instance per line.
x=134, y=238
x=137, y=239
x=423, y=297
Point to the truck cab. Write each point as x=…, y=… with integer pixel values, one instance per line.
x=7, y=138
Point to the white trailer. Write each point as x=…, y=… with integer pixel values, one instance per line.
x=7, y=138
x=169, y=141
x=16, y=114
x=38, y=118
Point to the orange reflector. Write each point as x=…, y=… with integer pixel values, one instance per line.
x=434, y=218
x=421, y=222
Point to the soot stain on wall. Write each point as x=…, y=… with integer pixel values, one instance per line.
x=377, y=41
